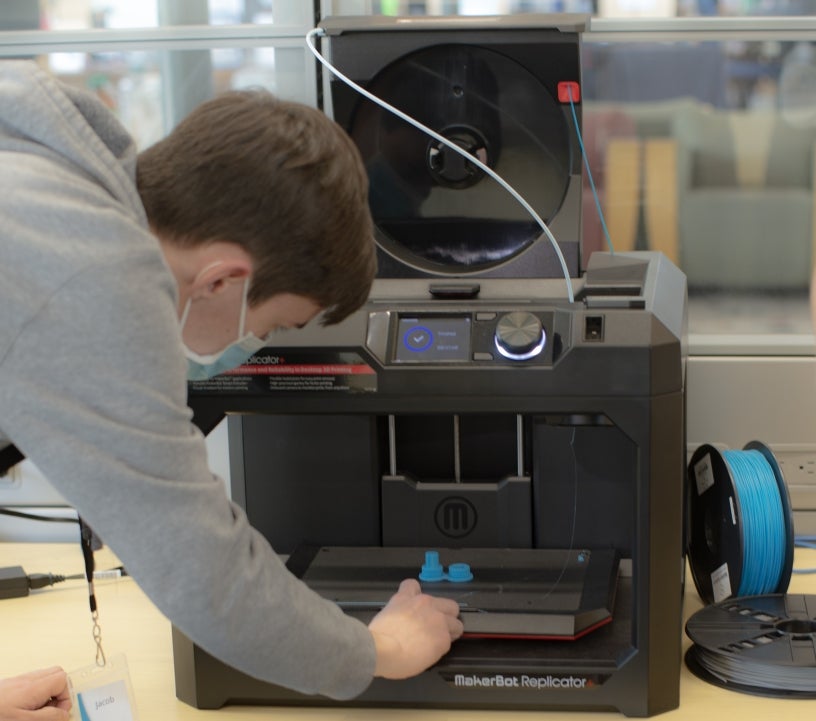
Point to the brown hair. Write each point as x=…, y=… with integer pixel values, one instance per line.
x=278, y=178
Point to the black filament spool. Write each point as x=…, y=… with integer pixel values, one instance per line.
x=762, y=645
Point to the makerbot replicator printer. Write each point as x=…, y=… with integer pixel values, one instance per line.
x=471, y=425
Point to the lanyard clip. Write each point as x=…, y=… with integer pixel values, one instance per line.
x=87, y=540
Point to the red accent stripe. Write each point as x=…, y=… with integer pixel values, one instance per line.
x=539, y=637
x=311, y=369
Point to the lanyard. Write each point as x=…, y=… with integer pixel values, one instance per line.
x=86, y=539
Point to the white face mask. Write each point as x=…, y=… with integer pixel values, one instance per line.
x=203, y=366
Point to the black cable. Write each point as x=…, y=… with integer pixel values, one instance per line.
x=35, y=517
x=14, y=582
x=41, y=580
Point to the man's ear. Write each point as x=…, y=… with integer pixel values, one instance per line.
x=217, y=276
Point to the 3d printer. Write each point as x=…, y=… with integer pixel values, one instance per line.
x=517, y=451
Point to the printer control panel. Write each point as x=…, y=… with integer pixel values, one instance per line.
x=504, y=337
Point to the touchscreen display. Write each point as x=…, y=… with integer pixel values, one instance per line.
x=433, y=339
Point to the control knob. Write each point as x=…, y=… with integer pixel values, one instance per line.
x=520, y=335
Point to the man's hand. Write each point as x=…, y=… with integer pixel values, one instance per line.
x=40, y=695
x=413, y=631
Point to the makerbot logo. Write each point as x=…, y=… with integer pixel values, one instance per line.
x=522, y=681
x=456, y=517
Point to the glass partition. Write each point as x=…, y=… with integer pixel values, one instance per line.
x=704, y=149
x=117, y=14
x=154, y=64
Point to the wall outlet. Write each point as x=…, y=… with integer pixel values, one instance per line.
x=799, y=472
x=28, y=487
x=798, y=464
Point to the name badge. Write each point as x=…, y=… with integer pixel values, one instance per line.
x=102, y=693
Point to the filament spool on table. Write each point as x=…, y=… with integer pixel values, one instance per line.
x=726, y=550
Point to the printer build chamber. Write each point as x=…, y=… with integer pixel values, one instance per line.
x=469, y=408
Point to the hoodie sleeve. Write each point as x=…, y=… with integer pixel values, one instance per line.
x=93, y=391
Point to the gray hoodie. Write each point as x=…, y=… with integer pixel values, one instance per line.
x=93, y=391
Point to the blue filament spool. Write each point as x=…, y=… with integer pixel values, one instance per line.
x=741, y=538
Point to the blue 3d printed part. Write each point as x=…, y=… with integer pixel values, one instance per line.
x=433, y=571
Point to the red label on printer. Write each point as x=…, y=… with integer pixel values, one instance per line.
x=275, y=370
